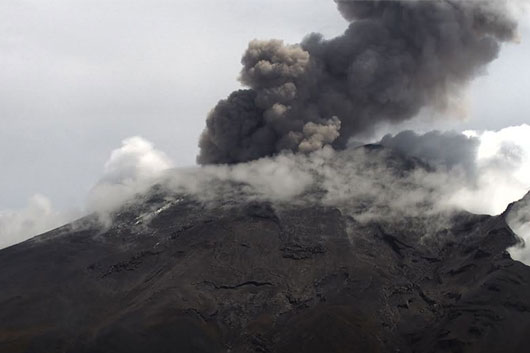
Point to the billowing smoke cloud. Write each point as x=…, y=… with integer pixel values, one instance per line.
x=395, y=58
x=131, y=169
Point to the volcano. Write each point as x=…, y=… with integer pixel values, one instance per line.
x=287, y=238
x=173, y=273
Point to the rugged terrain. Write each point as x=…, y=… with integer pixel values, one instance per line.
x=182, y=276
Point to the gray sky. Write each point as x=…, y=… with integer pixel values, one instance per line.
x=77, y=77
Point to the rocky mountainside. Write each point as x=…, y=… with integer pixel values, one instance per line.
x=182, y=276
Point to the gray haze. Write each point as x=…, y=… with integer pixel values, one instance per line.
x=394, y=58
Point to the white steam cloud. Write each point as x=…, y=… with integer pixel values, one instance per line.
x=503, y=170
x=131, y=169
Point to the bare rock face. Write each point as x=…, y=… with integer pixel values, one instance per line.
x=253, y=277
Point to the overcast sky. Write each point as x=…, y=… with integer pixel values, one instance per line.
x=78, y=77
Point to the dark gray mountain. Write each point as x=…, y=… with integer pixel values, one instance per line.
x=256, y=277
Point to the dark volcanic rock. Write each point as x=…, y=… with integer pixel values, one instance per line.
x=256, y=278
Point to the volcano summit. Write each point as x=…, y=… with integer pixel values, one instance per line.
x=230, y=270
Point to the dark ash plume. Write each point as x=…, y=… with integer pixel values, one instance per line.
x=395, y=58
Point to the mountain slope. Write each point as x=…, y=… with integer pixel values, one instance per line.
x=182, y=276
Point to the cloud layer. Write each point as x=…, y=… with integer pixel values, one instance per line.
x=413, y=175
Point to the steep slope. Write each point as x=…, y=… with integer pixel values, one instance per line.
x=176, y=275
